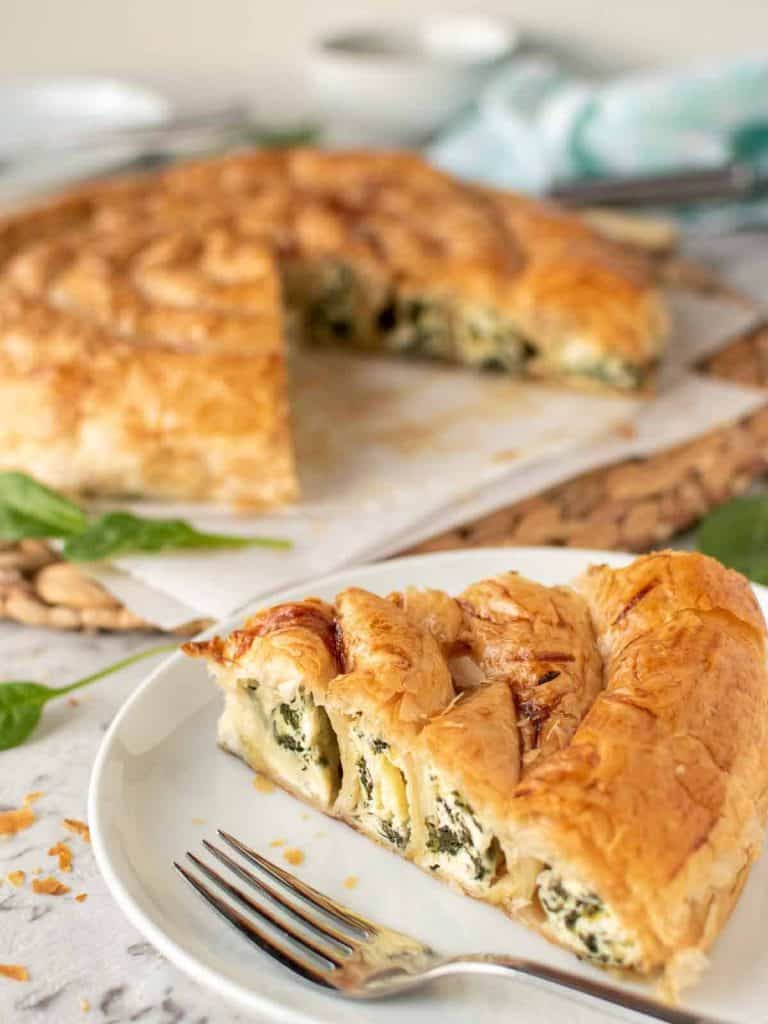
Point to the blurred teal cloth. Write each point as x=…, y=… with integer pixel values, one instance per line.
x=537, y=122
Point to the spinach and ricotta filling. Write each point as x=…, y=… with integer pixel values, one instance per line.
x=342, y=304
x=578, y=358
x=382, y=793
x=333, y=300
x=457, y=842
x=441, y=329
x=581, y=920
x=305, y=748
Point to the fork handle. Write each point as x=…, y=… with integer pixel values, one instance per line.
x=597, y=989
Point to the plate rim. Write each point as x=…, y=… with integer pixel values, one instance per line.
x=250, y=998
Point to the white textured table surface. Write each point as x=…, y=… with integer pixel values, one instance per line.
x=77, y=954
x=86, y=963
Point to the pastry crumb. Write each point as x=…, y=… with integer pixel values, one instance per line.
x=16, y=821
x=30, y=798
x=506, y=455
x=350, y=882
x=277, y=842
x=73, y=702
x=85, y=1005
x=81, y=897
x=14, y=971
x=305, y=817
x=78, y=827
x=626, y=430
x=263, y=784
x=293, y=856
x=37, y=871
x=16, y=878
x=198, y=821
x=49, y=886
x=63, y=852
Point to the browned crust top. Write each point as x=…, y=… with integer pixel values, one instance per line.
x=389, y=212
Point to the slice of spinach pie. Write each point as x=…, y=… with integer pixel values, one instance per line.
x=618, y=812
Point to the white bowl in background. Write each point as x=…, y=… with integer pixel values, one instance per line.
x=396, y=83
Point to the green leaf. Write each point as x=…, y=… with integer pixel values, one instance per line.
x=21, y=703
x=737, y=535
x=28, y=509
x=20, y=707
x=17, y=526
x=280, y=137
x=117, y=533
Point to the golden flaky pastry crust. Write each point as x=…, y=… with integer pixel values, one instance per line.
x=141, y=326
x=575, y=285
x=659, y=802
x=641, y=782
x=394, y=670
x=476, y=741
x=538, y=640
x=146, y=364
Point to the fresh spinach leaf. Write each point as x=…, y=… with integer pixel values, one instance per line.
x=28, y=509
x=18, y=526
x=737, y=535
x=21, y=703
x=117, y=533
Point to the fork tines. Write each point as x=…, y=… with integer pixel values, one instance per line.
x=310, y=934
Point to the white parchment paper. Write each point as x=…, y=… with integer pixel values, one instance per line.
x=392, y=451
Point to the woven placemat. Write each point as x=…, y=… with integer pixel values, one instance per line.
x=640, y=503
x=633, y=505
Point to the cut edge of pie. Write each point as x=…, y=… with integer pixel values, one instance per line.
x=142, y=321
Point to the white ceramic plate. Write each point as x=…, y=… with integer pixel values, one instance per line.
x=160, y=785
x=49, y=128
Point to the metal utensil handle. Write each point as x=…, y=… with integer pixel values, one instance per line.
x=629, y=1000
x=731, y=181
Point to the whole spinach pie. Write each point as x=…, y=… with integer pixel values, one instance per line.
x=143, y=320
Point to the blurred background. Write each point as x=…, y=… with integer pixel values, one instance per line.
x=527, y=95
x=207, y=50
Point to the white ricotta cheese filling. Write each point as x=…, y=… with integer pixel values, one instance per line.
x=580, y=357
x=382, y=797
x=295, y=738
x=456, y=842
x=580, y=920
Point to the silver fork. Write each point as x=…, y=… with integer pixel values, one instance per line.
x=327, y=944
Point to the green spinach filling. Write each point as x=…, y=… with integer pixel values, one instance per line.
x=454, y=831
x=366, y=781
x=341, y=305
x=389, y=824
x=301, y=727
x=398, y=837
x=584, y=921
x=333, y=310
x=613, y=372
